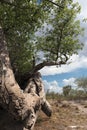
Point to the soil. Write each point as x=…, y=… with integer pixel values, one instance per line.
x=67, y=115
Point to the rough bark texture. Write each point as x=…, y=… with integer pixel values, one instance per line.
x=23, y=106
x=35, y=85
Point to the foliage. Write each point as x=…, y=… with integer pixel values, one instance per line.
x=22, y=19
x=82, y=83
x=66, y=90
x=61, y=40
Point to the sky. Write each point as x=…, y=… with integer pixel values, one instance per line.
x=54, y=78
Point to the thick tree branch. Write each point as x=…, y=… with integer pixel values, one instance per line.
x=47, y=63
x=25, y=77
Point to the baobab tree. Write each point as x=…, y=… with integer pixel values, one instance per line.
x=21, y=87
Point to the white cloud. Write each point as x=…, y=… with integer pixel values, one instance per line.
x=52, y=86
x=70, y=81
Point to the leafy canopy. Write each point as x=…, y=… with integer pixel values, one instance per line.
x=61, y=40
x=57, y=27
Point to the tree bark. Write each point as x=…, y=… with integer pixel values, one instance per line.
x=22, y=106
x=35, y=85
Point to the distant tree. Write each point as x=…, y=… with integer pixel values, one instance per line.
x=66, y=90
x=82, y=83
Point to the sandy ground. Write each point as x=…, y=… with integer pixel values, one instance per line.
x=67, y=115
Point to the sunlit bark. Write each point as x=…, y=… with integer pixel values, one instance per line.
x=22, y=105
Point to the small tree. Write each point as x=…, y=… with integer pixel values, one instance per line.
x=82, y=83
x=66, y=90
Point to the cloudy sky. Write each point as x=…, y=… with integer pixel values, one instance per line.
x=55, y=78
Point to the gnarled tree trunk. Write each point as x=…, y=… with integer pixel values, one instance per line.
x=23, y=106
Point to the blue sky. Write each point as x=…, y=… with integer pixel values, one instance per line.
x=56, y=77
x=60, y=77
